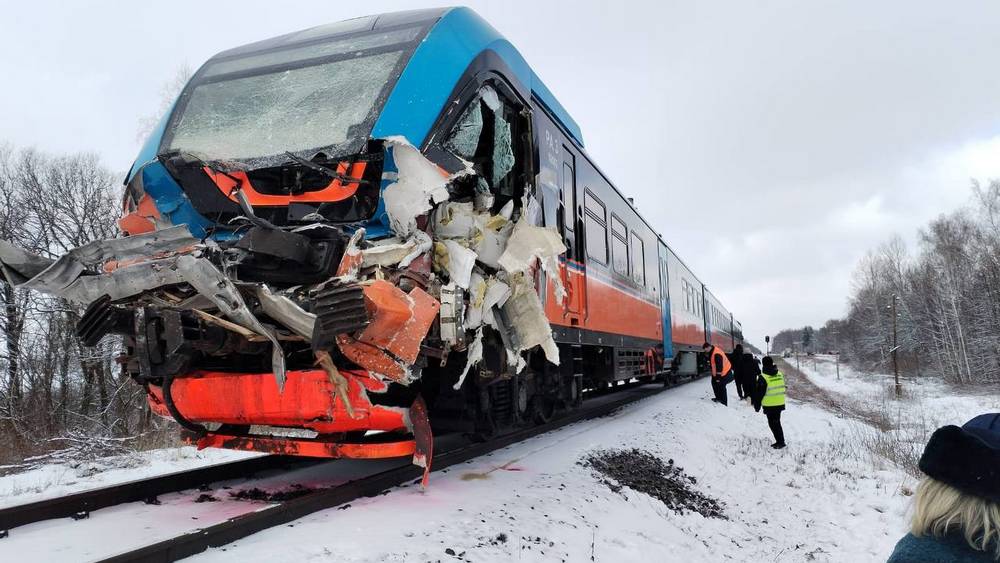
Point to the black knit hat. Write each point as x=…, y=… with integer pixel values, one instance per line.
x=768, y=362
x=967, y=458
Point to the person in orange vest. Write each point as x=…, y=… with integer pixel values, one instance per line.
x=722, y=372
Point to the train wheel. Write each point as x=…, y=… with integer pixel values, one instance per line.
x=575, y=391
x=544, y=408
x=523, y=403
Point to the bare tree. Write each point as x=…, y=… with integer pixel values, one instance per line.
x=168, y=94
x=50, y=384
x=946, y=297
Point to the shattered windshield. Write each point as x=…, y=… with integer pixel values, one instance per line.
x=306, y=99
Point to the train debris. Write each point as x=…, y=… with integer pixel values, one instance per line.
x=361, y=310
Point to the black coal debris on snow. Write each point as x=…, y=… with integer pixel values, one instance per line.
x=644, y=472
x=270, y=496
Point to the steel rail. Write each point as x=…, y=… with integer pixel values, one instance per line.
x=79, y=505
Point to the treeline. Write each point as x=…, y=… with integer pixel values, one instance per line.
x=946, y=297
x=52, y=388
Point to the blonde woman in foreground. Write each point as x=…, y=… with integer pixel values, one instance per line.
x=956, y=510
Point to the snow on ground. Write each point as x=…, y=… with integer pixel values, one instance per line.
x=927, y=402
x=58, y=479
x=817, y=500
x=821, y=499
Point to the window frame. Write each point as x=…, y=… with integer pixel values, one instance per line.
x=568, y=196
x=588, y=196
x=641, y=262
x=623, y=238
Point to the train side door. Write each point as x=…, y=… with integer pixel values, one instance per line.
x=574, y=279
x=668, y=345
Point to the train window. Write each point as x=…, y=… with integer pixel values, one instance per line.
x=688, y=301
x=618, y=227
x=619, y=246
x=490, y=135
x=597, y=239
x=638, y=260
x=595, y=228
x=568, y=197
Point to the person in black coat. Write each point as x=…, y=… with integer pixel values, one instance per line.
x=751, y=371
x=738, y=372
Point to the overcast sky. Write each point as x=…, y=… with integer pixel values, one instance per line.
x=771, y=143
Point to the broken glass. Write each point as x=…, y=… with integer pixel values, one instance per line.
x=323, y=106
x=503, y=149
x=465, y=137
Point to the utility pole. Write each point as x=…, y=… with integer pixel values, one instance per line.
x=795, y=346
x=895, y=347
x=836, y=345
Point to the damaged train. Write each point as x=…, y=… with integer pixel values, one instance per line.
x=342, y=240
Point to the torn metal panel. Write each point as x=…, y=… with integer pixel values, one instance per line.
x=35, y=272
x=143, y=217
x=419, y=183
x=423, y=438
x=456, y=260
x=473, y=357
x=19, y=265
x=527, y=243
x=525, y=319
x=530, y=242
x=287, y=312
x=484, y=295
x=390, y=343
x=393, y=252
x=481, y=232
x=210, y=282
x=74, y=277
x=353, y=259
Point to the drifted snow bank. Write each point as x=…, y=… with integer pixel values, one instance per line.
x=818, y=500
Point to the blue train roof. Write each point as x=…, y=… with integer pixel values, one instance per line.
x=454, y=38
x=458, y=37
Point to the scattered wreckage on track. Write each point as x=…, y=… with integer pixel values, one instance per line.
x=340, y=236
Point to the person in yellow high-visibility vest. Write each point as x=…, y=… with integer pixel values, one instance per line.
x=773, y=401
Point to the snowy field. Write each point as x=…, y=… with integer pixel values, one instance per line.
x=823, y=498
x=927, y=402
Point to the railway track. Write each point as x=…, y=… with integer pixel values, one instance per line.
x=80, y=505
x=241, y=526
